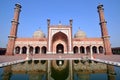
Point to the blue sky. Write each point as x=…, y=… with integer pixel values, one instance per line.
x=84, y=13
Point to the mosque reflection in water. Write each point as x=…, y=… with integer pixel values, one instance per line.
x=59, y=70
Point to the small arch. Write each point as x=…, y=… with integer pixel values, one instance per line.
x=75, y=49
x=17, y=50
x=94, y=49
x=82, y=49
x=60, y=62
x=37, y=50
x=30, y=62
x=100, y=49
x=24, y=50
x=76, y=61
x=43, y=61
x=44, y=49
x=31, y=50
x=59, y=48
x=22, y=62
x=36, y=61
x=88, y=49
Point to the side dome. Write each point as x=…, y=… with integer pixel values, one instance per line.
x=38, y=34
x=80, y=34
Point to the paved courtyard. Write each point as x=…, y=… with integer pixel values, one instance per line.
x=5, y=58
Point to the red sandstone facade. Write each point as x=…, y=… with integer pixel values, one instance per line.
x=59, y=39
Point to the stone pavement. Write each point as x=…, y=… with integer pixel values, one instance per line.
x=115, y=58
x=4, y=58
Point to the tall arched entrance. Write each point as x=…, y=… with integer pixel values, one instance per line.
x=59, y=43
x=59, y=48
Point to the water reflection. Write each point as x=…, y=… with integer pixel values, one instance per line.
x=90, y=70
x=60, y=70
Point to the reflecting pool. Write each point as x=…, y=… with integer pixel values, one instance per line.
x=60, y=70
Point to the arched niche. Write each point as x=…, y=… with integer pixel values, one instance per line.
x=59, y=39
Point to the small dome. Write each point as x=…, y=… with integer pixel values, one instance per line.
x=80, y=34
x=38, y=34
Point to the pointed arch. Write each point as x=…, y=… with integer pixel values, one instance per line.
x=88, y=49
x=94, y=49
x=75, y=49
x=59, y=48
x=59, y=38
x=31, y=50
x=37, y=50
x=24, y=50
x=44, y=49
x=17, y=50
x=82, y=49
x=100, y=49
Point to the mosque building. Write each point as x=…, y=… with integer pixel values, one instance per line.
x=59, y=39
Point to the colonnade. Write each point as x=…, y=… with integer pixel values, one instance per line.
x=88, y=49
x=43, y=49
x=30, y=50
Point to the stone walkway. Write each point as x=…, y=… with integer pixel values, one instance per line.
x=9, y=60
x=113, y=58
x=5, y=58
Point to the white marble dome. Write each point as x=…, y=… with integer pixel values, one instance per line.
x=80, y=34
x=38, y=34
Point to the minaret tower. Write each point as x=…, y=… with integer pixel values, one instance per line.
x=104, y=32
x=13, y=32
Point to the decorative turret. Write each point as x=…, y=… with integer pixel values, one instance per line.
x=48, y=22
x=13, y=32
x=104, y=32
x=71, y=21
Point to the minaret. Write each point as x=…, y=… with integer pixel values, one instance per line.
x=104, y=32
x=13, y=32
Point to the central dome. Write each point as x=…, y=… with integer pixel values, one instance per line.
x=80, y=34
x=38, y=34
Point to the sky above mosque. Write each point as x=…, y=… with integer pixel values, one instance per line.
x=34, y=15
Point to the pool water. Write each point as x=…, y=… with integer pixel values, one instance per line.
x=60, y=70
